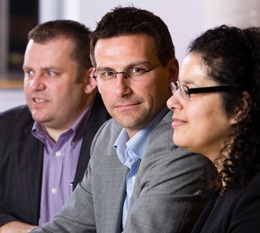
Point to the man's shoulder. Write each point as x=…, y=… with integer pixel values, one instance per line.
x=107, y=134
x=22, y=109
x=15, y=117
x=167, y=118
x=164, y=126
x=110, y=127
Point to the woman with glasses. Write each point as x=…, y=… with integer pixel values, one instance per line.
x=216, y=105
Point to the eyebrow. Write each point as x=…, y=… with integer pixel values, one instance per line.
x=26, y=68
x=127, y=67
x=187, y=82
x=52, y=68
x=43, y=68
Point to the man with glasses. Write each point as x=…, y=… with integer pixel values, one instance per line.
x=137, y=180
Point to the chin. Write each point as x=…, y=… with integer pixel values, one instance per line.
x=179, y=142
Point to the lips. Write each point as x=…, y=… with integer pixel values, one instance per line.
x=126, y=104
x=178, y=122
x=38, y=100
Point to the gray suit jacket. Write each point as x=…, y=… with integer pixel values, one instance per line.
x=166, y=196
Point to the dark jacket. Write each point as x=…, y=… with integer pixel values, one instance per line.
x=238, y=211
x=21, y=161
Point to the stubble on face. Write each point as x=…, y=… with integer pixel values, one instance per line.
x=132, y=103
x=52, y=93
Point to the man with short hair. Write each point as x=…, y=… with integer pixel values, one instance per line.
x=137, y=180
x=45, y=145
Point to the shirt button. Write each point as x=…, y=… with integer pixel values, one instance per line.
x=53, y=190
x=58, y=154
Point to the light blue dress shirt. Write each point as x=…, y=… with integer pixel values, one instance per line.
x=130, y=152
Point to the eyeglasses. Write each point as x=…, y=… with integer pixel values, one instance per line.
x=134, y=73
x=185, y=91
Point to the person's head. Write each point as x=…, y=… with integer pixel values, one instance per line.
x=136, y=41
x=221, y=123
x=57, y=73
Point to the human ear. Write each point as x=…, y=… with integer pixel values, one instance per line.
x=242, y=109
x=173, y=70
x=90, y=82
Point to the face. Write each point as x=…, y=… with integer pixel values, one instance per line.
x=133, y=103
x=53, y=93
x=200, y=123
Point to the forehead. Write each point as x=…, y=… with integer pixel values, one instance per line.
x=193, y=70
x=57, y=45
x=122, y=50
x=54, y=53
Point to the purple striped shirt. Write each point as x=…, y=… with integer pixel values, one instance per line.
x=59, y=165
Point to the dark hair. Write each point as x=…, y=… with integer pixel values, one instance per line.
x=73, y=30
x=232, y=56
x=130, y=21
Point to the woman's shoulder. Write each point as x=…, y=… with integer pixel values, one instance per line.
x=252, y=188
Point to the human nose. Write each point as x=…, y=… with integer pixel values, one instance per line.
x=121, y=85
x=36, y=83
x=174, y=102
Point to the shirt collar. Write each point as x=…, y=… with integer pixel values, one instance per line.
x=75, y=132
x=137, y=144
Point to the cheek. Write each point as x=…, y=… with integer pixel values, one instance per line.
x=157, y=95
x=206, y=124
x=204, y=119
x=104, y=89
x=198, y=122
x=27, y=90
x=27, y=84
x=107, y=96
x=209, y=126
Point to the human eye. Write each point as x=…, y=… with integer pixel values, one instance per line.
x=28, y=73
x=186, y=89
x=135, y=71
x=106, y=74
x=51, y=73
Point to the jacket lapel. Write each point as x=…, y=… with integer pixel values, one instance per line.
x=97, y=117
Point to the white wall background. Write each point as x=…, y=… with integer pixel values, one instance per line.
x=10, y=98
x=184, y=18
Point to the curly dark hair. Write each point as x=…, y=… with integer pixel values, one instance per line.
x=131, y=21
x=232, y=56
x=73, y=30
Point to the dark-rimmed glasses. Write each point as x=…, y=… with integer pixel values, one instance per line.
x=185, y=91
x=134, y=73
